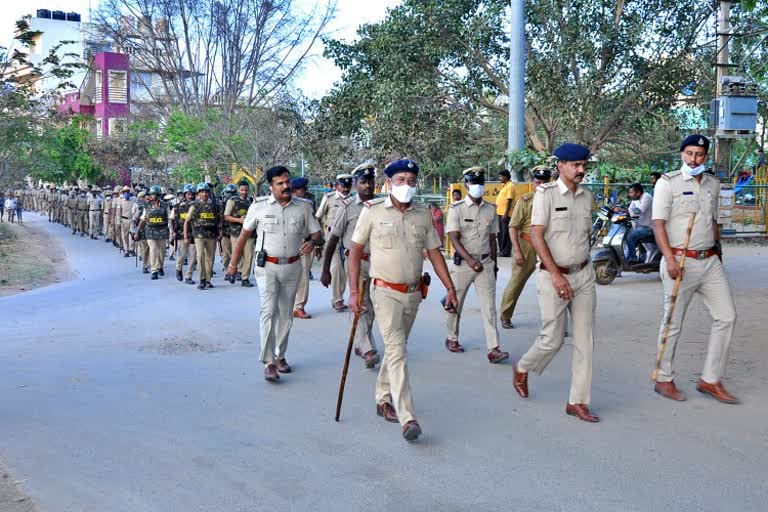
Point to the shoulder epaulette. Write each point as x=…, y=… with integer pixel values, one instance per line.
x=303, y=200
x=527, y=196
x=348, y=201
x=457, y=203
x=546, y=186
x=330, y=194
x=672, y=174
x=372, y=202
x=260, y=199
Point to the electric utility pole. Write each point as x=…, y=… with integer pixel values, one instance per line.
x=722, y=144
x=516, y=135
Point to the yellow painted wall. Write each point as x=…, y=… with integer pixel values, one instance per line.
x=491, y=192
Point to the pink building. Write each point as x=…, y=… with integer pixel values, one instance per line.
x=104, y=93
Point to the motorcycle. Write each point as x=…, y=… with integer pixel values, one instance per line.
x=609, y=261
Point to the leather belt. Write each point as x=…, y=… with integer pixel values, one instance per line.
x=692, y=253
x=526, y=237
x=402, y=288
x=94, y=210
x=365, y=256
x=282, y=261
x=571, y=269
x=126, y=218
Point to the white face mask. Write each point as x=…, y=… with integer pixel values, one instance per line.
x=476, y=190
x=403, y=193
x=695, y=171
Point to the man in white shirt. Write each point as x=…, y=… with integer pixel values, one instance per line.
x=639, y=210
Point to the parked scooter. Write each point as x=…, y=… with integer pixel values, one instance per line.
x=609, y=261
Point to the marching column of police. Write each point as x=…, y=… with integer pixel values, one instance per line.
x=378, y=245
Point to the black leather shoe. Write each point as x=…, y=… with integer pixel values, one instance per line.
x=246, y=284
x=145, y=270
x=189, y=280
x=208, y=284
x=201, y=286
x=161, y=272
x=179, y=275
x=154, y=276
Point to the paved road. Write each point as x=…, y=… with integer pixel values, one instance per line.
x=124, y=394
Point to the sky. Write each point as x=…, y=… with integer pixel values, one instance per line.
x=318, y=74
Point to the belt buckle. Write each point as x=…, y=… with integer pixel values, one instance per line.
x=572, y=269
x=701, y=255
x=282, y=261
x=413, y=287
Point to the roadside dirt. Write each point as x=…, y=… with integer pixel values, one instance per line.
x=11, y=499
x=29, y=259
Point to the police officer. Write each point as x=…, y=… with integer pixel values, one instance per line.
x=472, y=229
x=299, y=191
x=95, y=205
x=523, y=253
x=107, y=217
x=203, y=225
x=184, y=249
x=326, y=212
x=235, y=211
x=71, y=204
x=561, y=224
x=676, y=197
x=123, y=221
x=155, y=224
x=342, y=229
x=139, y=236
x=225, y=245
x=82, y=213
x=397, y=232
x=282, y=223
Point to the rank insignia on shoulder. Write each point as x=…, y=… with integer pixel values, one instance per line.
x=669, y=175
x=348, y=201
x=372, y=202
x=260, y=199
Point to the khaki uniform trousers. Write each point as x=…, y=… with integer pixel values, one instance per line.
x=226, y=251
x=185, y=250
x=706, y=278
x=206, y=253
x=338, y=278
x=71, y=219
x=302, y=292
x=126, y=242
x=143, y=249
x=520, y=276
x=82, y=217
x=551, y=337
x=485, y=284
x=93, y=223
x=245, y=267
x=395, y=314
x=156, y=253
x=277, y=292
x=364, y=334
x=109, y=229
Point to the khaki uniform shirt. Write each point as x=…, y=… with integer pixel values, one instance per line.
x=94, y=203
x=521, y=215
x=676, y=196
x=346, y=220
x=282, y=228
x=326, y=212
x=567, y=219
x=475, y=223
x=123, y=209
x=82, y=204
x=396, y=239
x=107, y=205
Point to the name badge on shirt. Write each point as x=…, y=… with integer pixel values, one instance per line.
x=688, y=193
x=469, y=220
x=270, y=216
x=561, y=209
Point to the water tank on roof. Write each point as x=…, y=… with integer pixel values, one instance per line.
x=59, y=15
x=73, y=16
x=44, y=13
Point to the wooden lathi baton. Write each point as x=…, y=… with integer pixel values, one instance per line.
x=673, y=299
x=349, y=349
